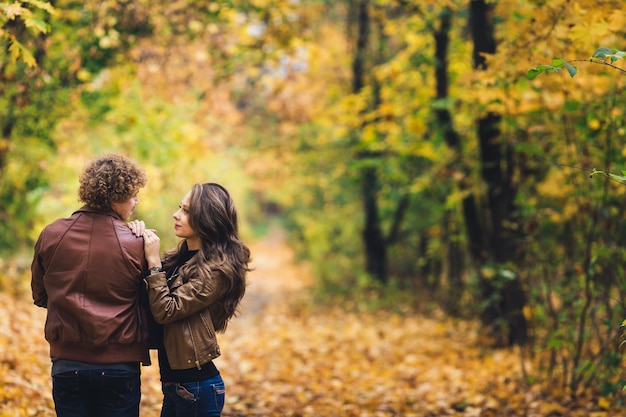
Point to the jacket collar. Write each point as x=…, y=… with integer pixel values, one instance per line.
x=88, y=209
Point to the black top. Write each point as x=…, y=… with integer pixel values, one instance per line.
x=208, y=370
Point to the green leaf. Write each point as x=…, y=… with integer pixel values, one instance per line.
x=602, y=52
x=38, y=25
x=44, y=5
x=534, y=72
x=620, y=178
x=618, y=55
x=557, y=65
x=572, y=70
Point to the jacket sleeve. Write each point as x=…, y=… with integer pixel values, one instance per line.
x=189, y=298
x=40, y=297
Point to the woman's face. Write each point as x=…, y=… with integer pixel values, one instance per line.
x=182, y=228
x=125, y=208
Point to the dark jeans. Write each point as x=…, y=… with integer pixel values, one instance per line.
x=194, y=399
x=97, y=393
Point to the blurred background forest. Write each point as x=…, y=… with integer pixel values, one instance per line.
x=398, y=143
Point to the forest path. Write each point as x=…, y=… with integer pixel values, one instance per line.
x=275, y=277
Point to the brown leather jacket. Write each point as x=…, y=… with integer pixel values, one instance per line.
x=185, y=312
x=88, y=272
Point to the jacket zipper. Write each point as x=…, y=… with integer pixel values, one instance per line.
x=208, y=328
x=195, y=349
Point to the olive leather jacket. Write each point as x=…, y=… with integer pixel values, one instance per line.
x=185, y=312
x=87, y=271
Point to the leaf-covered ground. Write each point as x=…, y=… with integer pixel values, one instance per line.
x=282, y=358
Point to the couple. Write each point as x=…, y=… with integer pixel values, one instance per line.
x=100, y=277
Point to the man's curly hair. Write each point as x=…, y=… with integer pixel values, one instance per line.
x=112, y=178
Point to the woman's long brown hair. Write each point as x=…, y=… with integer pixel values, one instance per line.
x=223, y=256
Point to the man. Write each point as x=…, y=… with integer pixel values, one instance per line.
x=87, y=271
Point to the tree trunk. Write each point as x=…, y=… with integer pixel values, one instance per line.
x=503, y=316
x=373, y=238
x=444, y=119
x=375, y=246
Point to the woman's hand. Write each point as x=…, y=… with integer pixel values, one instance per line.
x=152, y=247
x=138, y=227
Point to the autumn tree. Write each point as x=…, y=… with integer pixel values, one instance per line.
x=451, y=221
x=373, y=238
x=55, y=60
x=561, y=131
x=23, y=29
x=38, y=75
x=497, y=244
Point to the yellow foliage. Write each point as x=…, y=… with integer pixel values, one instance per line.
x=593, y=124
x=555, y=184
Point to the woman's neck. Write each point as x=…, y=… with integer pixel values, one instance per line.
x=193, y=244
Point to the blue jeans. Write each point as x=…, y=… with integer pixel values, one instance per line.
x=97, y=393
x=194, y=399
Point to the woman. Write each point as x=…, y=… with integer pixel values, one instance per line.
x=194, y=291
